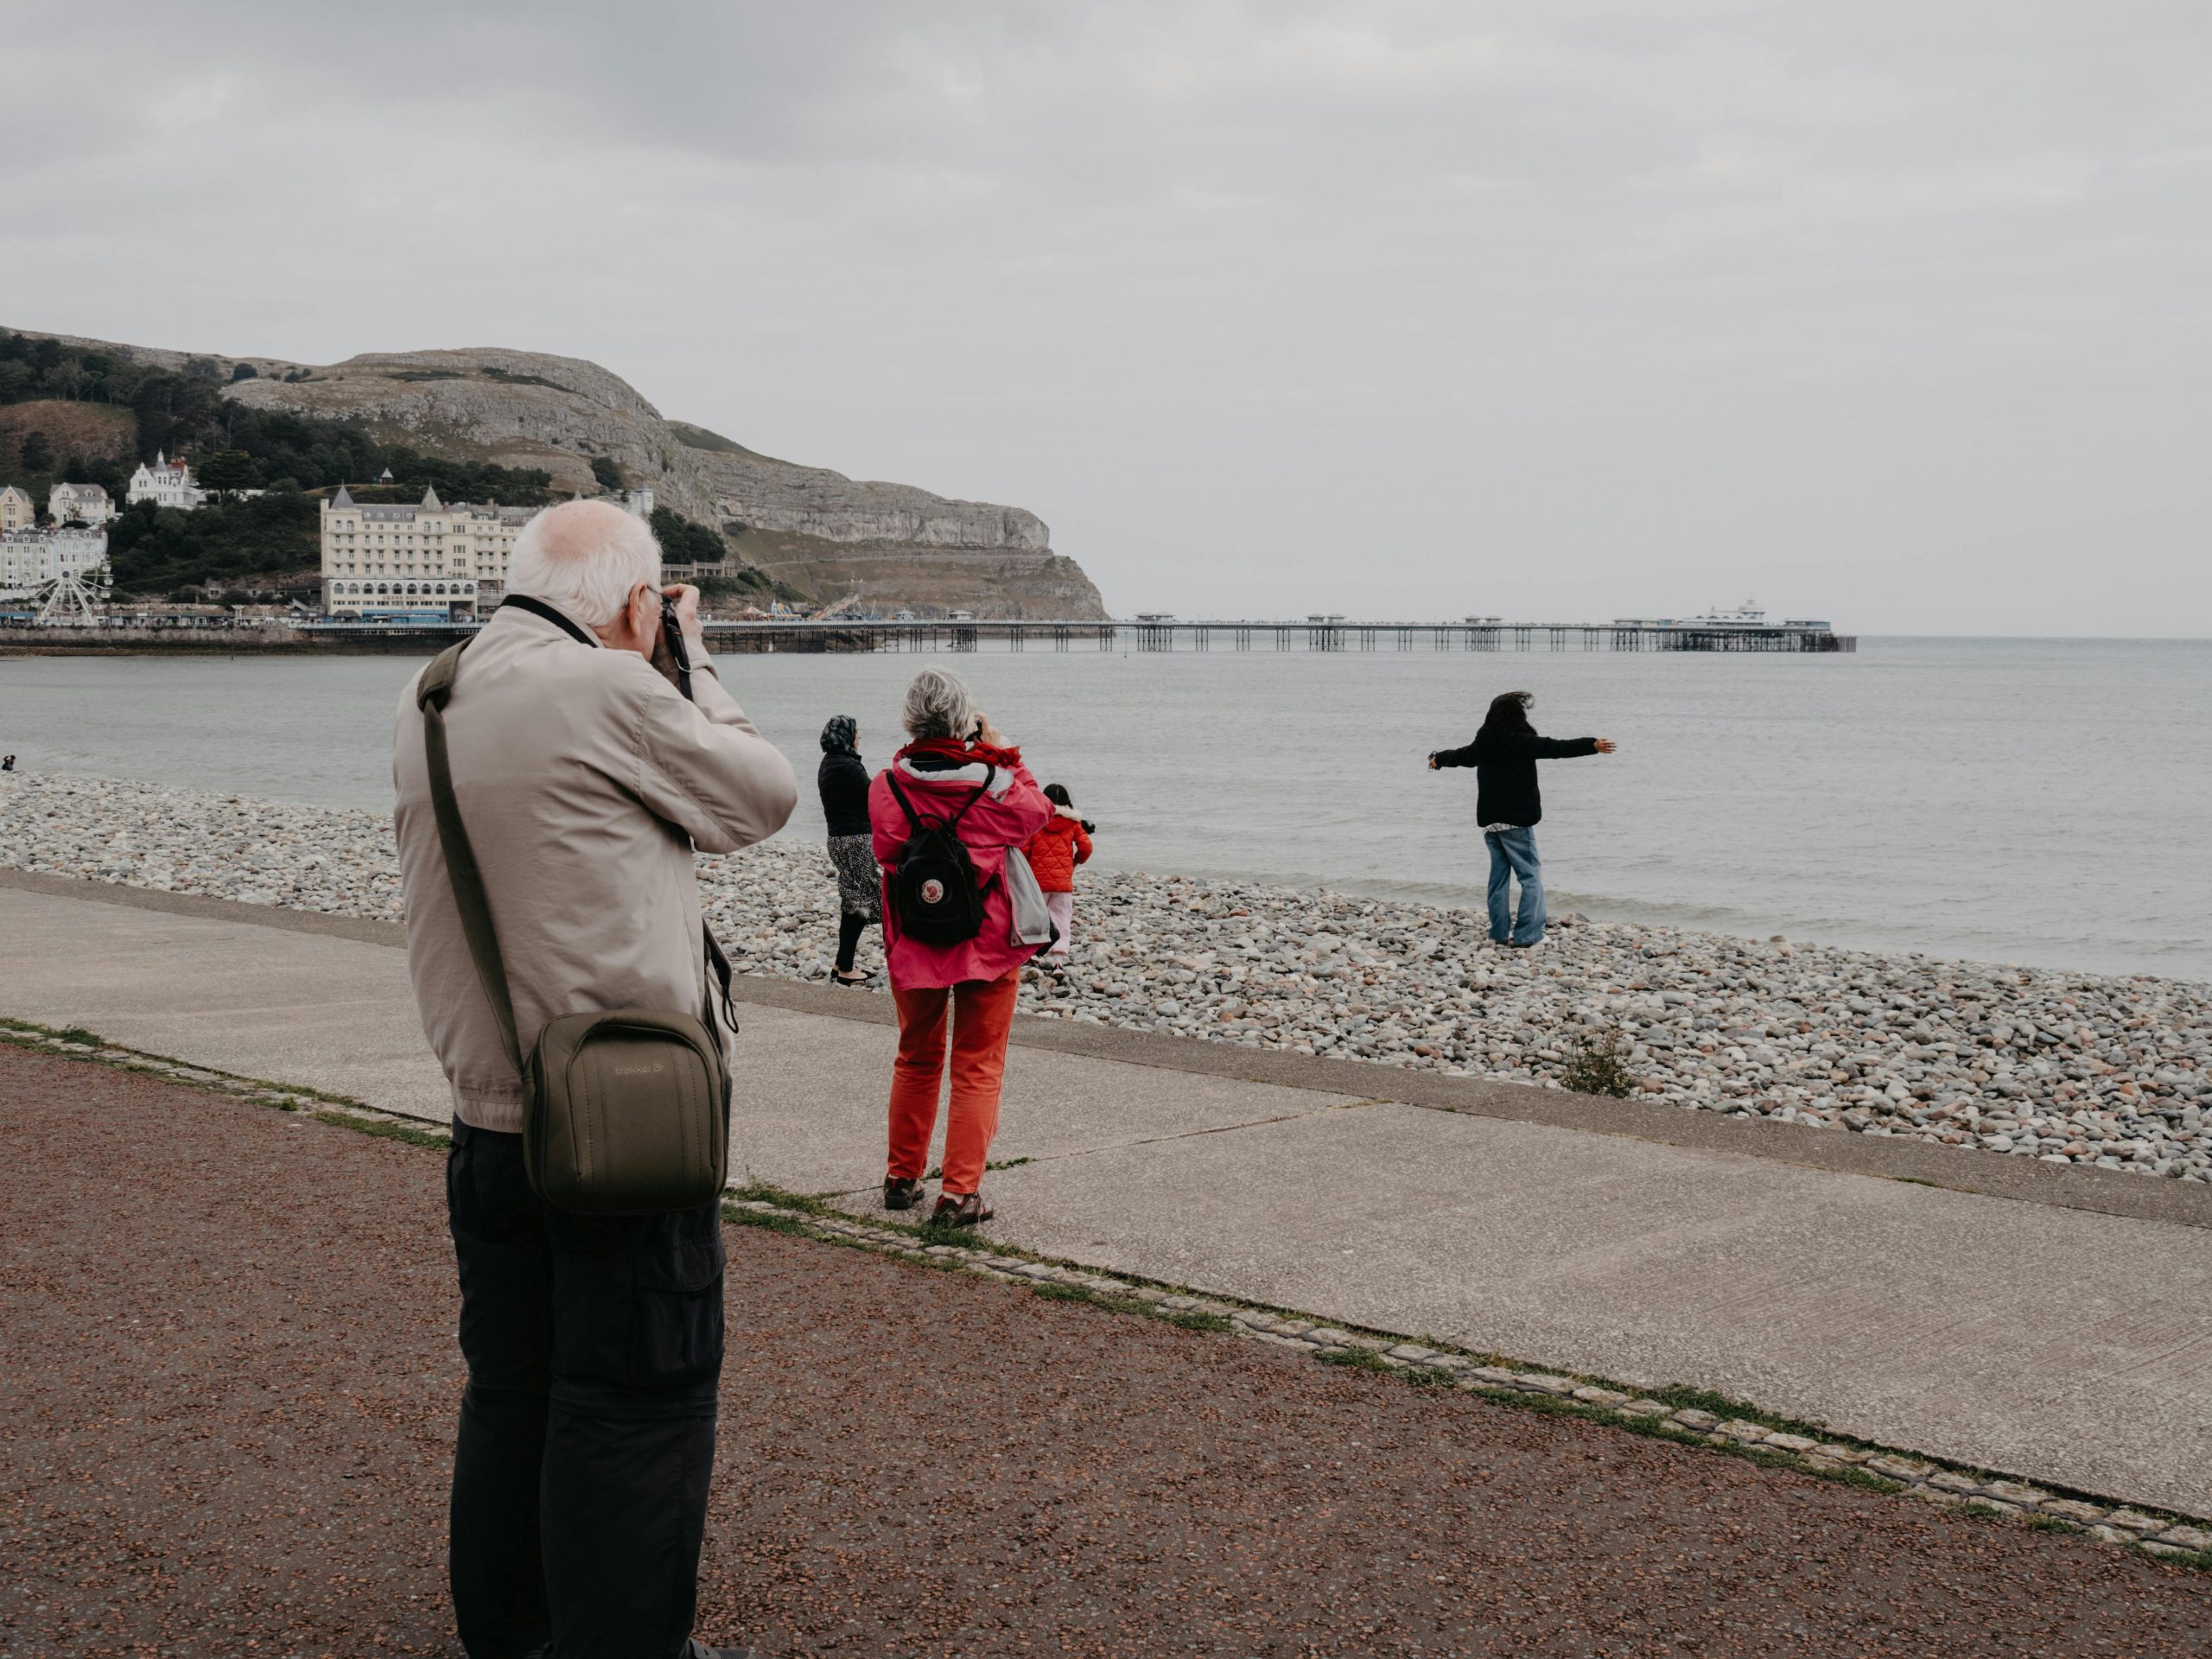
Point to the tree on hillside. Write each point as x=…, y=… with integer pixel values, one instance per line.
x=244, y=371
x=229, y=469
x=682, y=541
x=604, y=469
x=35, y=453
x=155, y=550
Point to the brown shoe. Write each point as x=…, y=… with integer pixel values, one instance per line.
x=901, y=1192
x=961, y=1211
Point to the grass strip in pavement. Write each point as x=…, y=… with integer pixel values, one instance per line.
x=1688, y=1416
x=74, y=1042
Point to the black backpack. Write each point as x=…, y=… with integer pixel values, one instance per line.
x=934, y=886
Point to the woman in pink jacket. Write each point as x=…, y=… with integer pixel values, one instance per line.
x=957, y=769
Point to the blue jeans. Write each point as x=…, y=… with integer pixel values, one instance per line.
x=1513, y=853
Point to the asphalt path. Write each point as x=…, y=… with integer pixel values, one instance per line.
x=226, y=1405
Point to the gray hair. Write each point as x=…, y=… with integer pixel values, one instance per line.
x=937, y=705
x=586, y=557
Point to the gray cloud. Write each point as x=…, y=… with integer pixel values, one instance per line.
x=1887, y=311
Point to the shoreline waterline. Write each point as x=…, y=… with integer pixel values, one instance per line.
x=1912, y=798
x=2114, y=1070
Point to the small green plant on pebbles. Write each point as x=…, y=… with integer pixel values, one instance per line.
x=1597, y=1064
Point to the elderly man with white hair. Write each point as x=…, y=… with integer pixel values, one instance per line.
x=585, y=766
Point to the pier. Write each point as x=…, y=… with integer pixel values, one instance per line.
x=1311, y=634
x=1166, y=633
x=1330, y=634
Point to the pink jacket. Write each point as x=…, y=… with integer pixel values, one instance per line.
x=1013, y=812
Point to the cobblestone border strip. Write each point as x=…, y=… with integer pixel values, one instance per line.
x=77, y=1044
x=2169, y=1536
x=2184, y=1539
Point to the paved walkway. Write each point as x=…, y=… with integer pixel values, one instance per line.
x=2050, y=1327
x=236, y=1434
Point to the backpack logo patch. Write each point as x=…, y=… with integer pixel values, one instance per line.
x=933, y=893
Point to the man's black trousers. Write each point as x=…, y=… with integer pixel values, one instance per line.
x=595, y=1348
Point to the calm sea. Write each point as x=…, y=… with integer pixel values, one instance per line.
x=2039, y=801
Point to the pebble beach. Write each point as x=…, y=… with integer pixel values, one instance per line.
x=2022, y=1062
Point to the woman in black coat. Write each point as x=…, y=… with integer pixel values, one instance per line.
x=843, y=780
x=1508, y=805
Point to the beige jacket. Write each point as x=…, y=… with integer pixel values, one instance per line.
x=585, y=781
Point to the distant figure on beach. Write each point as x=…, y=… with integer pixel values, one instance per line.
x=7, y=763
x=946, y=812
x=587, y=761
x=843, y=782
x=1053, y=853
x=1509, y=806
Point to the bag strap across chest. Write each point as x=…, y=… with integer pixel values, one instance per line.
x=469, y=897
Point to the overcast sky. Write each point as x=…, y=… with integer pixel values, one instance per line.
x=1891, y=311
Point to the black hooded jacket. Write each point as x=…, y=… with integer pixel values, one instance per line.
x=843, y=778
x=1505, y=771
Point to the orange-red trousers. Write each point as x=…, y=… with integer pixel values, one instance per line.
x=983, y=1013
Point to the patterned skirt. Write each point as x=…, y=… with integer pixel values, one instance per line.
x=859, y=880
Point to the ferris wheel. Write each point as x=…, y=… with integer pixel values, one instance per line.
x=66, y=601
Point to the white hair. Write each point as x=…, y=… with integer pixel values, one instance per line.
x=937, y=705
x=586, y=557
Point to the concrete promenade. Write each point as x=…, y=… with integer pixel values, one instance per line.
x=2052, y=1323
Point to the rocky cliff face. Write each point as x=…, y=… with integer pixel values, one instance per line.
x=886, y=545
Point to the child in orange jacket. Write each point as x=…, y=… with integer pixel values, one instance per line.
x=1053, y=853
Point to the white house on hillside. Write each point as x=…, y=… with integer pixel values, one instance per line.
x=86, y=504
x=17, y=510
x=166, y=483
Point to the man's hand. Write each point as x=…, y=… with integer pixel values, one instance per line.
x=1432, y=763
x=1606, y=745
x=663, y=655
x=687, y=610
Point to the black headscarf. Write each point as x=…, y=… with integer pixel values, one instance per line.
x=839, y=735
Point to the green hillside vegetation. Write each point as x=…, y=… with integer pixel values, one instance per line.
x=88, y=416
x=184, y=412
x=161, y=553
x=227, y=542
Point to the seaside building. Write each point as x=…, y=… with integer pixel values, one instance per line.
x=84, y=504
x=31, y=558
x=428, y=556
x=17, y=510
x=166, y=483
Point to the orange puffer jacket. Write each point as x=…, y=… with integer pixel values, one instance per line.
x=1056, y=849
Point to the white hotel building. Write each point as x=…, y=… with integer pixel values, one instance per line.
x=31, y=558
x=425, y=557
